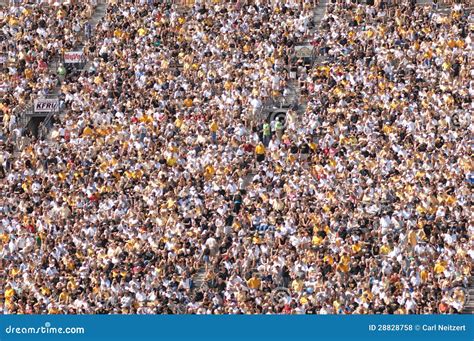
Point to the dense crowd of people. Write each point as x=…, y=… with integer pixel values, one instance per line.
x=161, y=170
x=32, y=37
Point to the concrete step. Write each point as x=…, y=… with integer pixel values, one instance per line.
x=469, y=306
x=295, y=92
x=199, y=277
x=248, y=179
x=319, y=12
x=99, y=13
x=468, y=310
x=96, y=18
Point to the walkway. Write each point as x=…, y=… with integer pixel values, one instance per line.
x=294, y=88
x=469, y=307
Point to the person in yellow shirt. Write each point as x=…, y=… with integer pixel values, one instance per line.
x=385, y=249
x=317, y=240
x=343, y=265
x=297, y=285
x=28, y=73
x=98, y=80
x=254, y=282
x=260, y=151
x=412, y=238
x=188, y=102
x=171, y=161
x=209, y=172
x=118, y=33
x=440, y=267
x=142, y=32
x=213, y=127
x=64, y=297
x=178, y=122
x=9, y=293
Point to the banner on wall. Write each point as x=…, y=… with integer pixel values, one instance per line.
x=73, y=57
x=46, y=105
